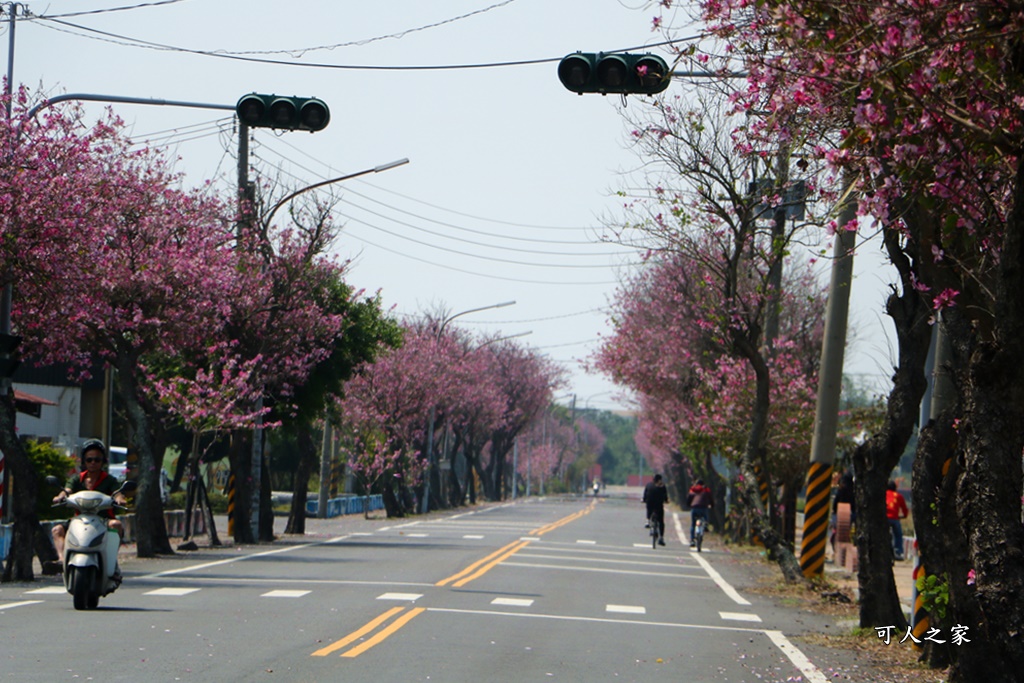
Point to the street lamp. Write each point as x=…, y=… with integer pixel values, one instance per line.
x=376, y=169
x=425, y=505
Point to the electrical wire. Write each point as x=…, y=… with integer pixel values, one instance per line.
x=112, y=9
x=373, y=226
x=489, y=276
x=456, y=252
x=349, y=190
x=489, y=246
x=127, y=41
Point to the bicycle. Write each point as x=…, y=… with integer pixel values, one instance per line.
x=698, y=532
x=657, y=530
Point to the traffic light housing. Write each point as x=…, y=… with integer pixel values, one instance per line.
x=619, y=72
x=286, y=113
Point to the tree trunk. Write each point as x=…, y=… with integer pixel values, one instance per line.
x=875, y=459
x=769, y=535
x=300, y=484
x=987, y=591
x=266, y=508
x=22, y=488
x=988, y=511
x=934, y=455
x=207, y=511
x=150, y=528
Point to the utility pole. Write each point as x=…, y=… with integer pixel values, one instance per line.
x=6, y=296
x=830, y=384
x=325, y=470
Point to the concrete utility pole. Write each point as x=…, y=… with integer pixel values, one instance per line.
x=326, y=460
x=6, y=296
x=830, y=384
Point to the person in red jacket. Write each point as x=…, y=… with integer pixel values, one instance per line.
x=895, y=510
x=699, y=500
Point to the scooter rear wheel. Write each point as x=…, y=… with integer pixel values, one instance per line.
x=82, y=581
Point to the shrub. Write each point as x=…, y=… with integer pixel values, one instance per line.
x=48, y=460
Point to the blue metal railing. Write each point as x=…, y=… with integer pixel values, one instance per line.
x=349, y=505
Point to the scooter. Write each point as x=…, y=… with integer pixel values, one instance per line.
x=90, y=548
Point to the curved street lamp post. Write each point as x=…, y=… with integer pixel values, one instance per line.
x=425, y=504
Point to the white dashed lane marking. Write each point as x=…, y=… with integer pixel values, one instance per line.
x=625, y=609
x=739, y=616
x=400, y=596
x=512, y=602
x=172, y=592
x=285, y=594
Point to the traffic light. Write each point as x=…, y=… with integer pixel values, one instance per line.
x=621, y=72
x=289, y=113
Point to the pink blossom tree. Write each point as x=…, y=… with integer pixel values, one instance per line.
x=927, y=95
x=52, y=184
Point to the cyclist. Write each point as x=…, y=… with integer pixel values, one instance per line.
x=699, y=500
x=655, y=497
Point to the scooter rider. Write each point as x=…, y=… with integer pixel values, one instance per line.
x=93, y=477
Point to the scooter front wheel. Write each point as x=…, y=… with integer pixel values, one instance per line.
x=83, y=587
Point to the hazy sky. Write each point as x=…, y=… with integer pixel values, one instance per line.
x=511, y=176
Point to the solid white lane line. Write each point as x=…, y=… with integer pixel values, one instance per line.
x=625, y=609
x=668, y=562
x=679, y=529
x=285, y=594
x=231, y=560
x=512, y=602
x=49, y=590
x=411, y=597
x=722, y=583
x=739, y=616
x=172, y=592
x=23, y=603
x=799, y=659
x=598, y=620
x=674, y=575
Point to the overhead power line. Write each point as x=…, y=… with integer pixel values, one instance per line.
x=128, y=41
x=113, y=9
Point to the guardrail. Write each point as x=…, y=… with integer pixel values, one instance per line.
x=348, y=505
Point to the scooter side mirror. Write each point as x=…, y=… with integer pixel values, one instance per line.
x=52, y=481
x=128, y=486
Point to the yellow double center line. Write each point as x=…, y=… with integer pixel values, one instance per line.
x=473, y=571
x=378, y=638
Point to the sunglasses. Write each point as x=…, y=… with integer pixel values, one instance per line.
x=94, y=459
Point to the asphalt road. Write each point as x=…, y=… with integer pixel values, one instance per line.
x=537, y=590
